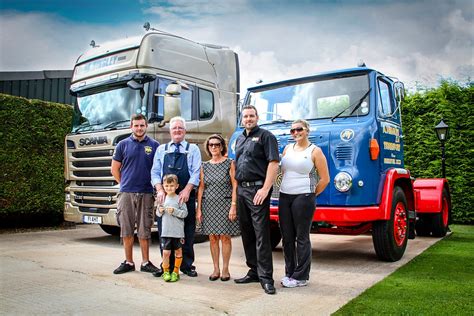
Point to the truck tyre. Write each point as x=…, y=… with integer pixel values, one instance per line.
x=275, y=235
x=111, y=230
x=440, y=221
x=423, y=225
x=390, y=237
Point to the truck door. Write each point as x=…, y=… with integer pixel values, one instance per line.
x=391, y=146
x=209, y=116
x=188, y=110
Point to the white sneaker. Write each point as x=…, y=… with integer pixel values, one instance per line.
x=301, y=283
x=288, y=282
x=285, y=279
x=291, y=283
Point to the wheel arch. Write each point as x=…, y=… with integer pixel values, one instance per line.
x=397, y=177
x=429, y=195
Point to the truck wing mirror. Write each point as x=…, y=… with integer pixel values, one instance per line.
x=399, y=88
x=172, y=103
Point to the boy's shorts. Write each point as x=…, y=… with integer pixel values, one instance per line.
x=171, y=243
x=135, y=209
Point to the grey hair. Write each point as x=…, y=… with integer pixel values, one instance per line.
x=180, y=119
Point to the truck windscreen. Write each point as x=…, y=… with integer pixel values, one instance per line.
x=312, y=100
x=110, y=108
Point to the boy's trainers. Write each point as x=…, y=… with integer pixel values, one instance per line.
x=124, y=267
x=166, y=276
x=174, y=277
x=149, y=267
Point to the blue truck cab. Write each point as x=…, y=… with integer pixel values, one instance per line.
x=355, y=119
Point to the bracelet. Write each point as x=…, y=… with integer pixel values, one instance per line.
x=234, y=203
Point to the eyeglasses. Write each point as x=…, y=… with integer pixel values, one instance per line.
x=214, y=145
x=297, y=129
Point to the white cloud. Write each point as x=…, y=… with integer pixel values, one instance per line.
x=418, y=41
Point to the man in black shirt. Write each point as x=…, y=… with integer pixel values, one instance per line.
x=256, y=160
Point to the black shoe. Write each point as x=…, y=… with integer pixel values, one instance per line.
x=246, y=279
x=158, y=273
x=269, y=288
x=124, y=267
x=225, y=278
x=149, y=267
x=213, y=277
x=190, y=273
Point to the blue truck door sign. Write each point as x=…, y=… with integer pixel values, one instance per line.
x=390, y=127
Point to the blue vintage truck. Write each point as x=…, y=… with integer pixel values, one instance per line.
x=355, y=118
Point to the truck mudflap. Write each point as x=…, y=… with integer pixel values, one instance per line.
x=429, y=195
x=433, y=207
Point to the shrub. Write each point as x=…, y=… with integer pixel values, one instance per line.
x=32, y=159
x=421, y=112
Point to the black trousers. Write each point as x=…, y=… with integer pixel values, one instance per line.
x=255, y=229
x=296, y=215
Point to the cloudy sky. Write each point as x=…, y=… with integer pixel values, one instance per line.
x=417, y=41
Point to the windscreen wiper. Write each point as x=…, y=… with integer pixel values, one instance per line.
x=114, y=124
x=276, y=121
x=82, y=127
x=356, y=106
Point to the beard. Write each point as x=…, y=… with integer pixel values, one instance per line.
x=139, y=134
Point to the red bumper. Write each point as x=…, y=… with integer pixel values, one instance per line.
x=342, y=216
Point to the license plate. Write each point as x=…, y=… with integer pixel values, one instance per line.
x=92, y=219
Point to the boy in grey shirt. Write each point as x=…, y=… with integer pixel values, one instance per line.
x=172, y=227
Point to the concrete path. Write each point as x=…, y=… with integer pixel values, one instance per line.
x=70, y=272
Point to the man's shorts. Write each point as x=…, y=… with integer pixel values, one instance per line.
x=135, y=210
x=171, y=243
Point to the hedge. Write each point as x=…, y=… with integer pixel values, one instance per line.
x=32, y=159
x=32, y=153
x=421, y=112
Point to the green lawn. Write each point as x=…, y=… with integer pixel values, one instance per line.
x=440, y=281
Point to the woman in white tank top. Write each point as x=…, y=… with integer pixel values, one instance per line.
x=305, y=175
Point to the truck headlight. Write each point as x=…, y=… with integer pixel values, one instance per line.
x=67, y=197
x=343, y=181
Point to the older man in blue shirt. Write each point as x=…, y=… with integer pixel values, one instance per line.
x=184, y=160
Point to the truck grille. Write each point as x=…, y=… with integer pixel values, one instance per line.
x=93, y=173
x=96, y=198
x=93, y=154
x=344, y=152
x=94, y=210
x=276, y=186
x=92, y=164
x=94, y=189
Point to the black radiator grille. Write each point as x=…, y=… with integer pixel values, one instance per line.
x=93, y=173
x=93, y=153
x=92, y=163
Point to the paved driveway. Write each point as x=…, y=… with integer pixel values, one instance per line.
x=70, y=272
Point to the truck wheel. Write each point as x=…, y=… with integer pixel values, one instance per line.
x=423, y=225
x=275, y=235
x=390, y=237
x=111, y=230
x=440, y=221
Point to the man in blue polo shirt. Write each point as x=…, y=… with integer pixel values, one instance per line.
x=131, y=165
